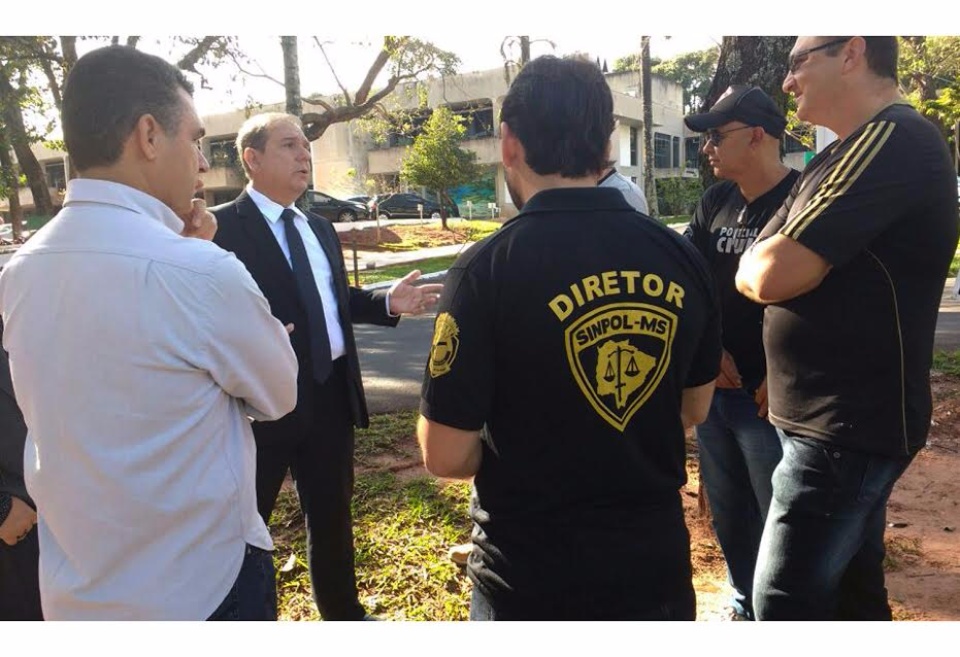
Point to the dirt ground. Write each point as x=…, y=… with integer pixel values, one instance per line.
x=923, y=527
x=923, y=524
x=417, y=236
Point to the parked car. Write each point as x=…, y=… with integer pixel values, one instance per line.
x=365, y=200
x=404, y=206
x=334, y=209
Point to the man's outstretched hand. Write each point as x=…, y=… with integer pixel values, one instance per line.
x=409, y=299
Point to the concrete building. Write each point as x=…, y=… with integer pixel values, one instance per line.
x=348, y=161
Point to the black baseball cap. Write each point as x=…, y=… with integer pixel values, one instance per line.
x=742, y=103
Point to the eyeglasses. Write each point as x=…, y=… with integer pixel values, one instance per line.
x=798, y=58
x=717, y=137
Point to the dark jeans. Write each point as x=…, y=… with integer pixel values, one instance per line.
x=683, y=608
x=320, y=458
x=253, y=596
x=821, y=555
x=19, y=579
x=738, y=453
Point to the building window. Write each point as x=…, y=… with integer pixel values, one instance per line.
x=477, y=120
x=223, y=153
x=692, y=151
x=661, y=150
x=56, y=175
x=793, y=145
x=676, y=153
x=634, y=154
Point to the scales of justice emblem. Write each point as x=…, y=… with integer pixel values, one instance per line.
x=618, y=355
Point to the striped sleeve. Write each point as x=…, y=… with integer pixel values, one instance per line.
x=845, y=174
x=857, y=195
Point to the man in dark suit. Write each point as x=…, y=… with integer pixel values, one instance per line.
x=19, y=550
x=296, y=259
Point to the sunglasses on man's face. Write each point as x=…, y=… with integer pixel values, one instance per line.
x=798, y=58
x=716, y=137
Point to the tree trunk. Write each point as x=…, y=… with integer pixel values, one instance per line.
x=11, y=174
x=524, y=51
x=646, y=92
x=17, y=135
x=760, y=61
x=291, y=75
x=68, y=44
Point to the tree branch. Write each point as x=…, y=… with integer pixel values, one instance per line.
x=189, y=61
x=261, y=74
x=346, y=94
x=382, y=58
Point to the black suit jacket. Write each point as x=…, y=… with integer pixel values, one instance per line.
x=243, y=230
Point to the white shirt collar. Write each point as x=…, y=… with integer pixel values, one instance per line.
x=107, y=192
x=270, y=209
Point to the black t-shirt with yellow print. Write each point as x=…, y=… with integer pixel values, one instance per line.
x=570, y=334
x=849, y=362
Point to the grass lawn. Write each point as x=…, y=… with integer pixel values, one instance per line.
x=428, y=266
x=947, y=362
x=404, y=523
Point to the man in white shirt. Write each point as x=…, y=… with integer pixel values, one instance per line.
x=630, y=190
x=137, y=356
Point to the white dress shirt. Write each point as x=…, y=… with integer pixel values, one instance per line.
x=136, y=356
x=319, y=262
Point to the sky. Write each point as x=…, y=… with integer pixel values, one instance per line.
x=474, y=31
x=351, y=59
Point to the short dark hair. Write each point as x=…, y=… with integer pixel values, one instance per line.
x=561, y=110
x=882, y=53
x=106, y=93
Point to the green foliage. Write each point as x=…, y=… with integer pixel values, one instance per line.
x=694, y=72
x=947, y=362
x=929, y=70
x=678, y=196
x=435, y=160
x=631, y=62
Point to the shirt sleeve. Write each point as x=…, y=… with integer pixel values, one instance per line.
x=858, y=197
x=705, y=366
x=698, y=230
x=458, y=382
x=248, y=351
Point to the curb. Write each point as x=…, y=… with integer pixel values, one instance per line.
x=426, y=278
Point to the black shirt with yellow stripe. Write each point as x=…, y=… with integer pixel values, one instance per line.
x=570, y=335
x=849, y=361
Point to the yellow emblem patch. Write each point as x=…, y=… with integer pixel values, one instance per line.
x=618, y=354
x=446, y=342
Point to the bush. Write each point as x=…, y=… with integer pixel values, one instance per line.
x=677, y=196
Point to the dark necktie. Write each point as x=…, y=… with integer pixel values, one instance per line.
x=310, y=295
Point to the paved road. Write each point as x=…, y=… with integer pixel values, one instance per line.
x=393, y=359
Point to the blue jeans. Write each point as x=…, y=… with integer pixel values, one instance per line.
x=738, y=453
x=253, y=596
x=821, y=556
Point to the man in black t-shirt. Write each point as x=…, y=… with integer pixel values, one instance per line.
x=739, y=448
x=853, y=266
x=584, y=338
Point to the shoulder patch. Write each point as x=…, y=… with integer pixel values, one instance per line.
x=446, y=342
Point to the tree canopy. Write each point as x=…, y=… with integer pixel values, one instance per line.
x=436, y=161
